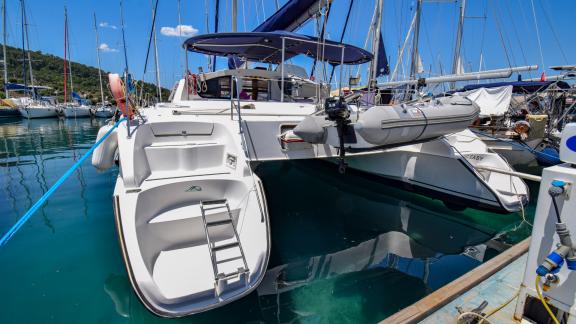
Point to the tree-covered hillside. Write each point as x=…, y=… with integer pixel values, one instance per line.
x=48, y=71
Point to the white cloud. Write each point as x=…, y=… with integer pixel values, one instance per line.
x=185, y=30
x=107, y=25
x=105, y=48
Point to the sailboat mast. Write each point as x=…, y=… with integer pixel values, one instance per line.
x=69, y=58
x=457, y=49
x=98, y=60
x=28, y=51
x=158, y=89
x=415, y=56
x=24, y=77
x=234, y=15
x=182, y=67
x=65, y=57
x=4, y=48
x=376, y=40
x=216, y=31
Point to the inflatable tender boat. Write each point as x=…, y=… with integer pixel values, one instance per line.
x=384, y=126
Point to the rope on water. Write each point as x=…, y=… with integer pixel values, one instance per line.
x=6, y=237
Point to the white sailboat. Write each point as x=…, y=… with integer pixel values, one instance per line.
x=34, y=106
x=102, y=110
x=76, y=107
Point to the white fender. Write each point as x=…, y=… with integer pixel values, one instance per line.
x=103, y=156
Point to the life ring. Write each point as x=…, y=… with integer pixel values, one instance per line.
x=118, y=91
x=522, y=127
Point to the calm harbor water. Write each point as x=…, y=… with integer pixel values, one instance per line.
x=344, y=248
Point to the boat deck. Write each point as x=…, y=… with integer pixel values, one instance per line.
x=496, y=282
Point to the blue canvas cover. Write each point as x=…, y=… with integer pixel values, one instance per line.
x=290, y=16
x=267, y=47
x=518, y=86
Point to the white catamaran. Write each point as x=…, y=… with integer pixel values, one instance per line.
x=191, y=213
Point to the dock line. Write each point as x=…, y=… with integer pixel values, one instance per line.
x=6, y=237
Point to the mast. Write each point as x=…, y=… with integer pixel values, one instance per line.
x=24, y=77
x=234, y=15
x=376, y=41
x=69, y=55
x=98, y=59
x=28, y=50
x=457, y=49
x=158, y=89
x=182, y=67
x=206, y=16
x=4, y=48
x=415, y=55
x=216, y=31
x=65, y=56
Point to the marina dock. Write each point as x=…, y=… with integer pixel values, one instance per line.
x=496, y=282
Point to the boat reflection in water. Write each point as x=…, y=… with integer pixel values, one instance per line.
x=359, y=251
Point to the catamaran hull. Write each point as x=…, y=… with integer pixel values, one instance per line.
x=191, y=217
x=39, y=112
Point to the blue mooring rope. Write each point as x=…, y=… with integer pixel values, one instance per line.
x=55, y=186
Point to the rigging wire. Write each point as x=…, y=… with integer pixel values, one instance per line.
x=515, y=30
x=537, y=34
x=499, y=28
x=148, y=49
x=244, y=16
x=482, y=38
x=548, y=20
x=342, y=36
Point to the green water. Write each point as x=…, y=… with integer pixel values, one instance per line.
x=344, y=248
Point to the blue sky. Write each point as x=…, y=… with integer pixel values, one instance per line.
x=502, y=30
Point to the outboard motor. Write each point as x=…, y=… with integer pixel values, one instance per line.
x=336, y=110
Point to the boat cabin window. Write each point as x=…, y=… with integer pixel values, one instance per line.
x=255, y=89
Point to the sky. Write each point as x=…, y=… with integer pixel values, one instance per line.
x=501, y=32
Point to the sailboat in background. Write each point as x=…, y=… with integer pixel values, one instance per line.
x=76, y=108
x=7, y=108
x=103, y=109
x=34, y=106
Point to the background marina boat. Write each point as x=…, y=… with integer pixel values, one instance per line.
x=104, y=111
x=76, y=111
x=39, y=111
x=8, y=109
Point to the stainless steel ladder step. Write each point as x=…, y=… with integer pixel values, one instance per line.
x=225, y=246
x=219, y=222
x=218, y=204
